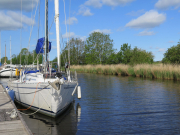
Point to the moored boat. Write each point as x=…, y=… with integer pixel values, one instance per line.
x=8, y=70
x=49, y=96
x=44, y=91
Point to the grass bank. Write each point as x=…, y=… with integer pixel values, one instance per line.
x=158, y=71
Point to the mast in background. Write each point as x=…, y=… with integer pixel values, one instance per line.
x=56, y=3
x=10, y=52
x=5, y=54
x=0, y=46
x=21, y=32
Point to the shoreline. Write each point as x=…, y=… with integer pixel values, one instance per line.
x=154, y=71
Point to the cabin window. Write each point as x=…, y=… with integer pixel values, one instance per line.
x=7, y=67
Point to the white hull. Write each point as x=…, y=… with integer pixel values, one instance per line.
x=7, y=73
x=50, y=101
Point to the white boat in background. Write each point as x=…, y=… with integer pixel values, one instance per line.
x=46, y=92
x=8, y=70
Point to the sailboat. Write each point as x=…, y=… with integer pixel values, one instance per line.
x=45, y=92
x=8, y=70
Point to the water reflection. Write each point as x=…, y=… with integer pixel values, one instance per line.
x=64, y=124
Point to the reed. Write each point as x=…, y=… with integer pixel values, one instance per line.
x=158, y=71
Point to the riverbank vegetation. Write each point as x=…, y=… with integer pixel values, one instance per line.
x=156, y=71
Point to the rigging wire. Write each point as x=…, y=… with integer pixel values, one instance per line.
x=66, y=31
x=32, y=28
x=52, y=22
x=31, y=19
x=39, y=19
x=69, y=32
x=51, y=25
x=38, y=55
x=38, y=24
x=65, y=60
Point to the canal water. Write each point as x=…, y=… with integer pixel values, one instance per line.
x=115, y=105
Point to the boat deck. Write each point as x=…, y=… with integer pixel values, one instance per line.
x=9, y=126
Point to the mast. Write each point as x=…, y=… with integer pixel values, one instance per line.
x=56, y=3
x=21, y=33
x=10, y=52
x=0, y=46
x=5, y=54
x=69, y=38
x=46, y=33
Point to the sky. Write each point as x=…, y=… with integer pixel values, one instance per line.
x=151, y=25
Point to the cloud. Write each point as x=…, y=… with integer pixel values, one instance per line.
x=16, y=5
x=54, y=39
x=100, y=3
x=94, y=3
x=146, y=33
x=115, y=2
x=170, y=41
x=54, y=47
x=71, y=20
x=73, y=35
x=68, y=35
x=121, y=29
x=8, y=23
x=83, y=38
x=105, y=31
x=150, y=19
x=12, y=21
x=136, y=13
x=165, y=4
x=161, y=50
x=17, y=16
x=84, y=11
x=33, y=45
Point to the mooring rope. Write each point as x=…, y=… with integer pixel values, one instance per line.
x=33, y=112
x=31, y=92
x=33, y=99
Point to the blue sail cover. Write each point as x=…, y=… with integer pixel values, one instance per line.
x=39, y=46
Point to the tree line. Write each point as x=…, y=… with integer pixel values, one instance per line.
x=98, y=49
x=26, y=58
x=172, y=55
